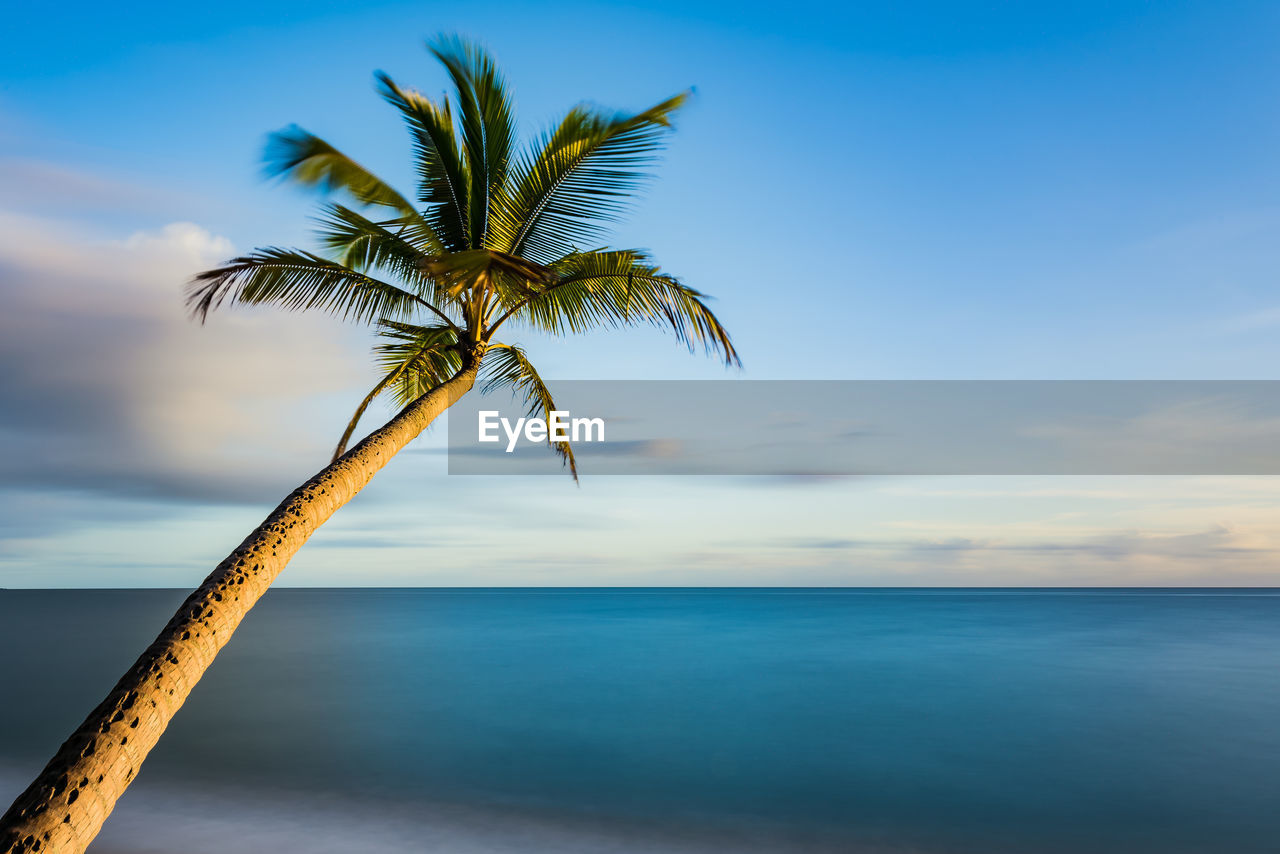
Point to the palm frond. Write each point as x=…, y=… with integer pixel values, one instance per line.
x=309, y=160
x=460, y=270
x=577, y=178
x=411, y=352
x=298, y=280
x=378, y=389
x=488, y=125
x=364, y=245
x=444, y=182
x=622, y=288
x=425, y=357
x=507, y=366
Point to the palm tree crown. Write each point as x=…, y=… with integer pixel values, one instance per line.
x=496, y=237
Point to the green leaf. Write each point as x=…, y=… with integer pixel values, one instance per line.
x=613, y=288
x=311, y=161
x=420, y=358
x=488, y=125
x=364, y=245
x=444, y=182
x=578, y=178
x=424, y=356
x=296, y=281
x=507, y=366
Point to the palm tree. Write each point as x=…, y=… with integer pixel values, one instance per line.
x=492, y=244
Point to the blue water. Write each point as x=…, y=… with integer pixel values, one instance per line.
x=926, y=721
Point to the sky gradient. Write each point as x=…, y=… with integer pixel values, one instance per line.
x=921, y=191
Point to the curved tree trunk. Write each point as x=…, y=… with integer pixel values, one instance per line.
x=63, y=810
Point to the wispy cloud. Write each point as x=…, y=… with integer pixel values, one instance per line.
x=1262, y=319
x=38, y=186
x=1219, y=554
x=1226, y=432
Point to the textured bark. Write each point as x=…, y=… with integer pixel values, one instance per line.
x=63, y=810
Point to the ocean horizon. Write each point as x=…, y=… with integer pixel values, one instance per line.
x=927, y=720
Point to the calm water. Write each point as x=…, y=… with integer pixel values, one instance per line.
x=926, y=721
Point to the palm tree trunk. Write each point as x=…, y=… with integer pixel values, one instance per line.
x=63, y=810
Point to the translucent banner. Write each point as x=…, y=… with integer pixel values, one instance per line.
x=814, y=427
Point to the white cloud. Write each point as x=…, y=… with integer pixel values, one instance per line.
x=184, y=239
x=111, y=386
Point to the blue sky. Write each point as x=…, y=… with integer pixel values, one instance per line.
x=916, y=190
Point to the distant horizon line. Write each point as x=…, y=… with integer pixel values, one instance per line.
x=693, y=587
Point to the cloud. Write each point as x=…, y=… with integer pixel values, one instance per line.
x=35, y=185
x=1216, y=541
x=1219, y=554
x=1262, y=319
x=1229, y=433
x=110, y=387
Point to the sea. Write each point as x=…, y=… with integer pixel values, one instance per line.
x=929, y=721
